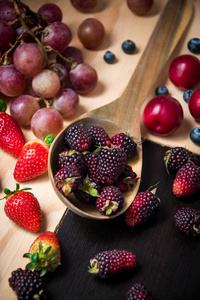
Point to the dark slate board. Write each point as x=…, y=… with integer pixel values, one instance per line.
x=168, y=260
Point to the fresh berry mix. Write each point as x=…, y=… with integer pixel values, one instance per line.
x=128, y=47
x=123, y=140
x=194, y=45
x=187, y=219
x=110, y=200
x=78, y=138
x=109, y=263
x=109, y=57
x=161, y=90
x=27, y=283
x=138, y=292
x=187, y=94
x=94, y=169
x=195, y=135
x=187, y=180
x=144, y=206
x=176, y=157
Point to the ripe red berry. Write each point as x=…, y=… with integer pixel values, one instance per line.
x=91, y=161
x=99, y=136
x=138, y=292
x=123, y=140
x=188, y=220
x=78, y=138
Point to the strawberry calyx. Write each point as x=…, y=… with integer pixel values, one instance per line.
x=8, y=192
x=42, y=261
x=89, y=187
x=3, y=106
x=48, y=139
x=94, y=269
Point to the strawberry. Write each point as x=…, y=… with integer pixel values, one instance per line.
x=109, y=263
x=44, y=253
x=32, y=161
x=187, y=180
x=11, y=136
x=23, y=208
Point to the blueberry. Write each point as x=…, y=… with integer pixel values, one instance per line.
x=194, y=45
x=195, y=135
x=128, y=47
x=109, y=57
x=187, y=94
x=161, y=90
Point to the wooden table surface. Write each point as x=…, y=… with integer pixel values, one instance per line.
x=120, y=24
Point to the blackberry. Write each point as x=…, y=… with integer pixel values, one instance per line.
x=27, y=283
x=72, y=157
x=111, y=164
x=67, y=179
x=176, y=157
x=109, y=263
x=188, y=220
x=138, y=292
x=123, y=140
x=78, y=138
x=99, y=136
x=88, y=191
x=110, y=201
x=127, y=179
x=91, y=161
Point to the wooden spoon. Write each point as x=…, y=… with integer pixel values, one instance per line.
x=123, y=114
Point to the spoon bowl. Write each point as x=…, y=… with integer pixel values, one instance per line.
x=123, y=114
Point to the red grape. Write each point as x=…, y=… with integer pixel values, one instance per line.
x=66, y=102
x=56, y=35
x=62, y=73
x=26, y=36
x=12, y=82
x=7, y=11
x=84, y=6
x=70, y=52
x=140, y=7
x=7, y=36
x=46, y=83
x=83, y=78
x=29, y=59
x=22, y=109
x=91, y=33
x=51, y=12
x=45, y=121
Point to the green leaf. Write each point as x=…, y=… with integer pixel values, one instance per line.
x=43, y=272
x=34, y=257
x=28, y=255
x=47, y=250
x=30, y=266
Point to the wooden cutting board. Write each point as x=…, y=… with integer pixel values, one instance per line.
x=120, y=24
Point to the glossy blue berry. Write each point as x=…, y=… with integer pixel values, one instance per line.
x=161, y=90
x=128, y=47
x=194, y=45
x=109, y=57
x=187, y=94
x=195, y=136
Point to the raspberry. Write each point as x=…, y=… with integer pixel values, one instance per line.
x=110, y=201
x=99, y=136
x=176, y=157
x=69, y=157
x=67, y=179
x=27, y=283
x=78, y=138
x=91, y=161
x=138, y=292
x=88, y=191
x=111, y=164
x=144, y=206
x=188, y=220
x=187, y=180
x=124, y=141
x=109, y=263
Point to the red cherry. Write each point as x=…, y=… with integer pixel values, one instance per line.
x=194, y=105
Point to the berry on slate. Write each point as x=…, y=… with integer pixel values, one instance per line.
x=88, y=191
x=128, y=47
x=110, y=200
x=99, y=136
x=123, y=140
x=111, y=164
x=144, y=206
x=23, y=208
x=187, y=219
x=195, y=135
x=138, y=292
x=44, y=253
x=27, y=284
x=187, y=180
x=194, y=45
x=78, y=138
x=109, y=57
x=110, y=263
x=187, y=94
x=72, y=157
x=11, y=136
x=67, y=179
x=161, y=90
x=176, y=157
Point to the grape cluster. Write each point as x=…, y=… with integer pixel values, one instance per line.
x=39, y=68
